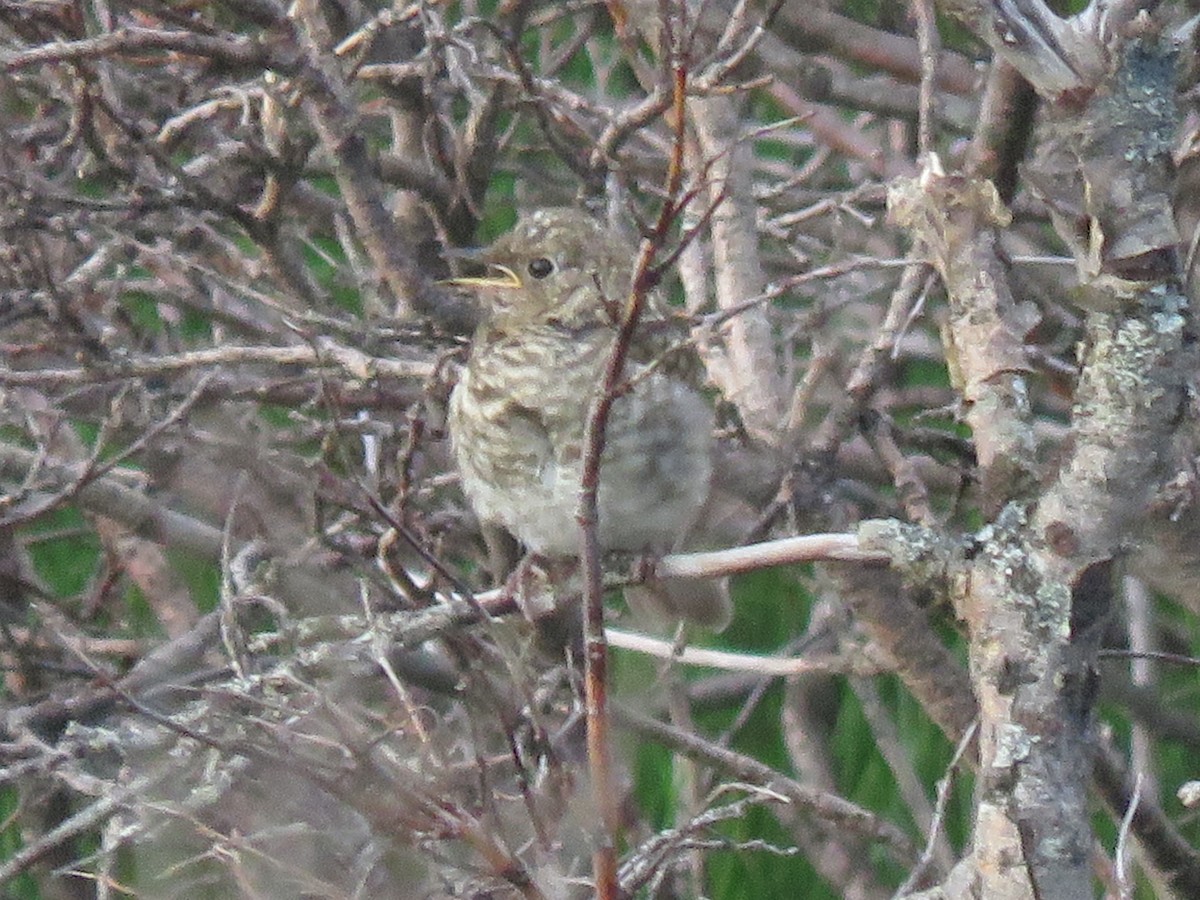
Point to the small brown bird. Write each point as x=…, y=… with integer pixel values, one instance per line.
x=551, y=311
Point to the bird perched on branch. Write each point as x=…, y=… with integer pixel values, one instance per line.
x=552, y=303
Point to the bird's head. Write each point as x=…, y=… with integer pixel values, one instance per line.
x=554, y=266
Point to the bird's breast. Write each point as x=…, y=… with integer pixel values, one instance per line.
x=518, y=418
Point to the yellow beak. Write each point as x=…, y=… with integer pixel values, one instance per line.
x=506, y=279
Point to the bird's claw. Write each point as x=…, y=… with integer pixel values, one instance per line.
x=528, y=586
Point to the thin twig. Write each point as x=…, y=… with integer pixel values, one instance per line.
x=595, y=646
x=929, y=45
x=769, y=666
x=349, y=360
x=824, y=805
x=1125, y=884
x=939, y=814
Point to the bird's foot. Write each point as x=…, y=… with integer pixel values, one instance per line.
x=529, y=586
x=643, y=567
x=704, y=601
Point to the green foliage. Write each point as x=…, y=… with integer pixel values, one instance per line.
x=770, y=609
x=654, y=784
x=750, y=875
x=326, y=262
x=739, y=873
x=919, y=372
x=66, y=554
x=202, y=578
x=143, y=311
x=140, y=620
x=194, y=325
x=501, y=210
x=25, y=886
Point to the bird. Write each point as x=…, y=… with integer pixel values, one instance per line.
x=551, y=306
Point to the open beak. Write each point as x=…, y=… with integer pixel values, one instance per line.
x=506, y=278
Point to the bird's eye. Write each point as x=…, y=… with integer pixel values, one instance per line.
x=540, y=267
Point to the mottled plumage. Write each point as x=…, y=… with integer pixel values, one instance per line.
x=552, y=304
